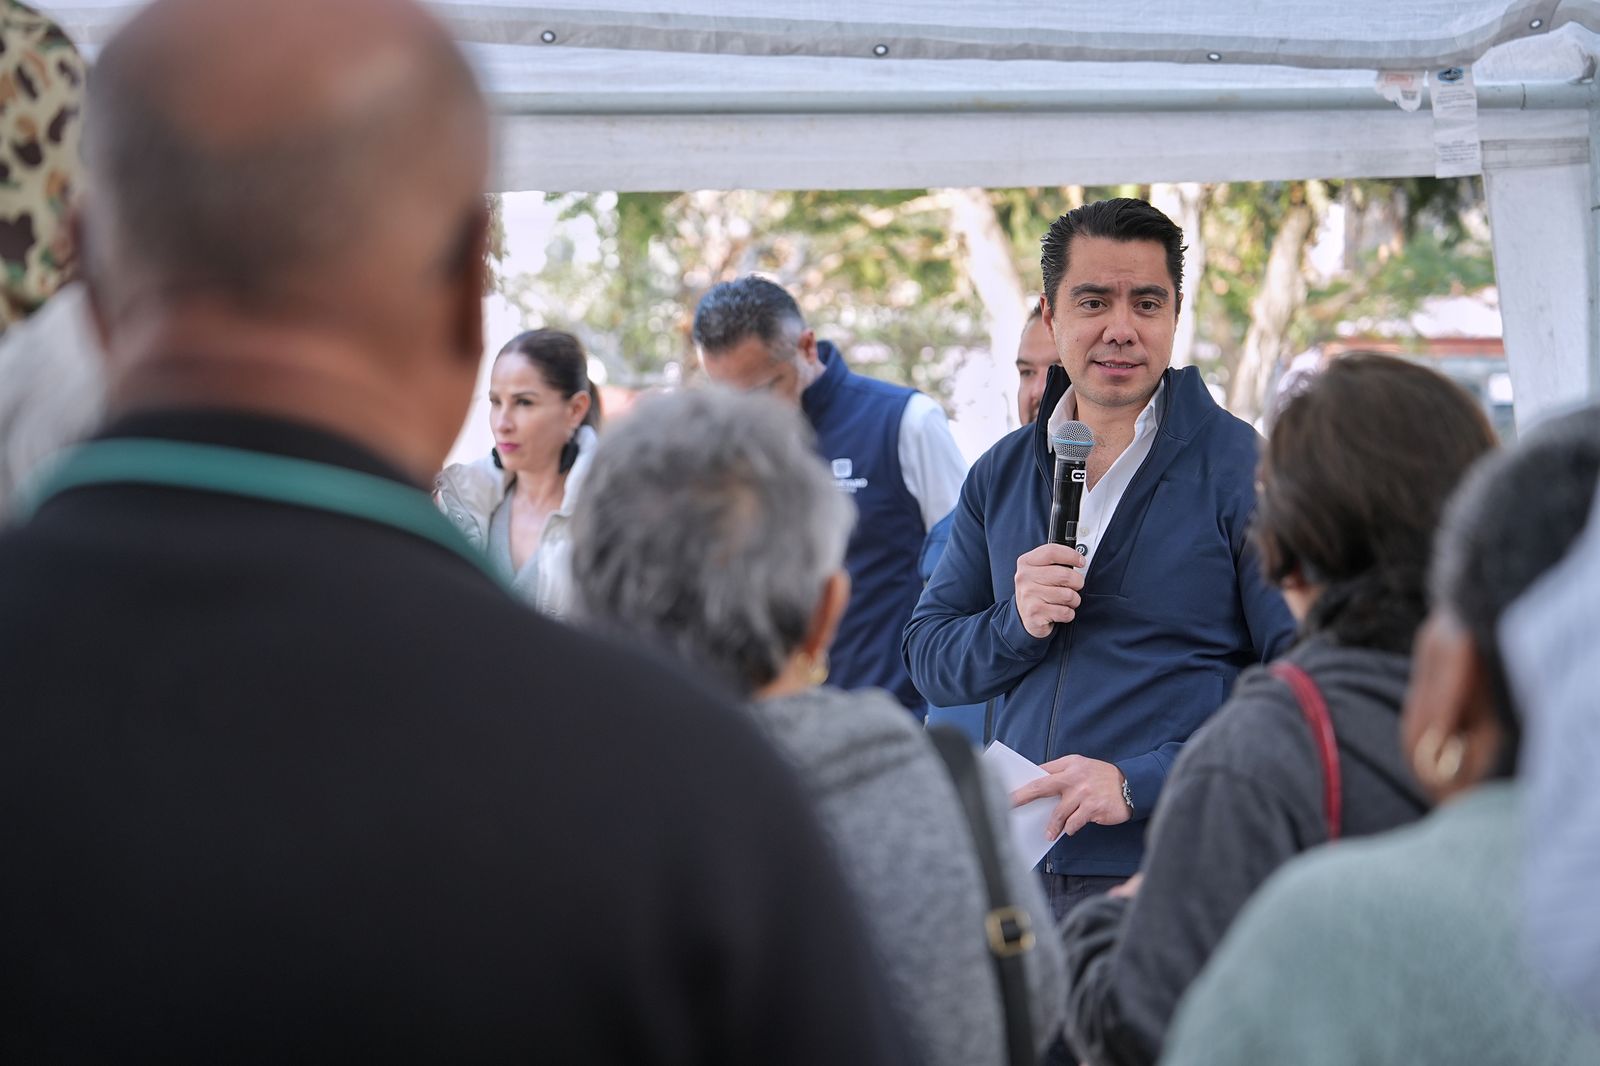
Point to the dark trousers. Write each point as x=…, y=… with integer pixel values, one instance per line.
x=1066, y=891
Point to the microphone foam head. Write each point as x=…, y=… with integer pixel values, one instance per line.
x=1073, y=441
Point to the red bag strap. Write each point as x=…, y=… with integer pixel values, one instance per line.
x=1315, y=710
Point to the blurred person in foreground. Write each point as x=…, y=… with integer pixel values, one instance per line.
x=515, y=504
x=52, y=381
x=1406, y=948
x=1550, y=639
x=1352, y=483
x=732, y=558
x=889, y=448
x=279, y=772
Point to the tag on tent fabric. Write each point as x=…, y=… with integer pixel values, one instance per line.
x=1457, y=149
x=1401, y=87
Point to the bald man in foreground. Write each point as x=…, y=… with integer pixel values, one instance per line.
x=284, y=776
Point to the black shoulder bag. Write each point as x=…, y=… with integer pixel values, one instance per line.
x=1007, y=926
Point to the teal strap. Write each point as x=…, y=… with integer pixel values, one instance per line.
x=238, y=472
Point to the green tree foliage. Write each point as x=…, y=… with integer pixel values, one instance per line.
x=880, y=273
x=1407, y=240
x=875, y=271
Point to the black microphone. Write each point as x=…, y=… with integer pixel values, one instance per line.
x=1072, y=441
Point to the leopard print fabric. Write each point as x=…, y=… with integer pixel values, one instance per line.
x=41, y=99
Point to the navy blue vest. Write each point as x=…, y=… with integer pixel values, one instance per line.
x=857, y=422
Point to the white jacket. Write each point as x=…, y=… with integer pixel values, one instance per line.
x=52, y=386
x=469, y=493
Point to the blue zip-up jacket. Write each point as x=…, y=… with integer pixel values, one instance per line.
x=1174, y=606
x=970, y=718
x=857, y=423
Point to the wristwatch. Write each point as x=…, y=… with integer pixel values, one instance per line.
x=1127, y=795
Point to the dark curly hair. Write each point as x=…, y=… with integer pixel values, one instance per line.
x=751, y=306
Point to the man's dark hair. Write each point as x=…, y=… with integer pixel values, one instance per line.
x=1515, y=517
x=1353, y=480
x=752, y=306
x=1121, y=219
x=1035, y=313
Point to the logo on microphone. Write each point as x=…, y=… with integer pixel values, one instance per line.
x=1080, y=476
x=843, y=468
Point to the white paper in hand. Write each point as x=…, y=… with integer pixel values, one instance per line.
x=1029, y=820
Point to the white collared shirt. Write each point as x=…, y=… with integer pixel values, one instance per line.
x=1100, y=502
x=930, y=461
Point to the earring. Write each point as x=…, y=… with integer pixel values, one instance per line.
x=818, y=674
x=1437, y=758
x=569, y=453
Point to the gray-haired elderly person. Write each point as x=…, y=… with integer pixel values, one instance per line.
x=711, y=529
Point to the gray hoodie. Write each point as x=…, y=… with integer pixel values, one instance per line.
x=1243, y=798
x=889, y=807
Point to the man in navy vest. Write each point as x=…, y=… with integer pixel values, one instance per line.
x=1110, y=659
x=889, y=447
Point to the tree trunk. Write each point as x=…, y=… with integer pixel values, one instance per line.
x=1354, y=199
x=1282, y=294
x=1185, y=204
x=985, y=388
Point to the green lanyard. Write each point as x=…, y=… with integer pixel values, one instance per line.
x=237, y=472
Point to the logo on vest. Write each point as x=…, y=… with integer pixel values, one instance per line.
x=843, y=469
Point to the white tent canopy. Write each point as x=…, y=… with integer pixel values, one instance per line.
x=685, y=94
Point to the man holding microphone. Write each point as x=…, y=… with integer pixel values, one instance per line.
x=1109, y=658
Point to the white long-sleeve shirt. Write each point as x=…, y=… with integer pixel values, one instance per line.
x=932, y=465
x=1101, y=499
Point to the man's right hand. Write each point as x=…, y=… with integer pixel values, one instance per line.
x=1047, y=582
